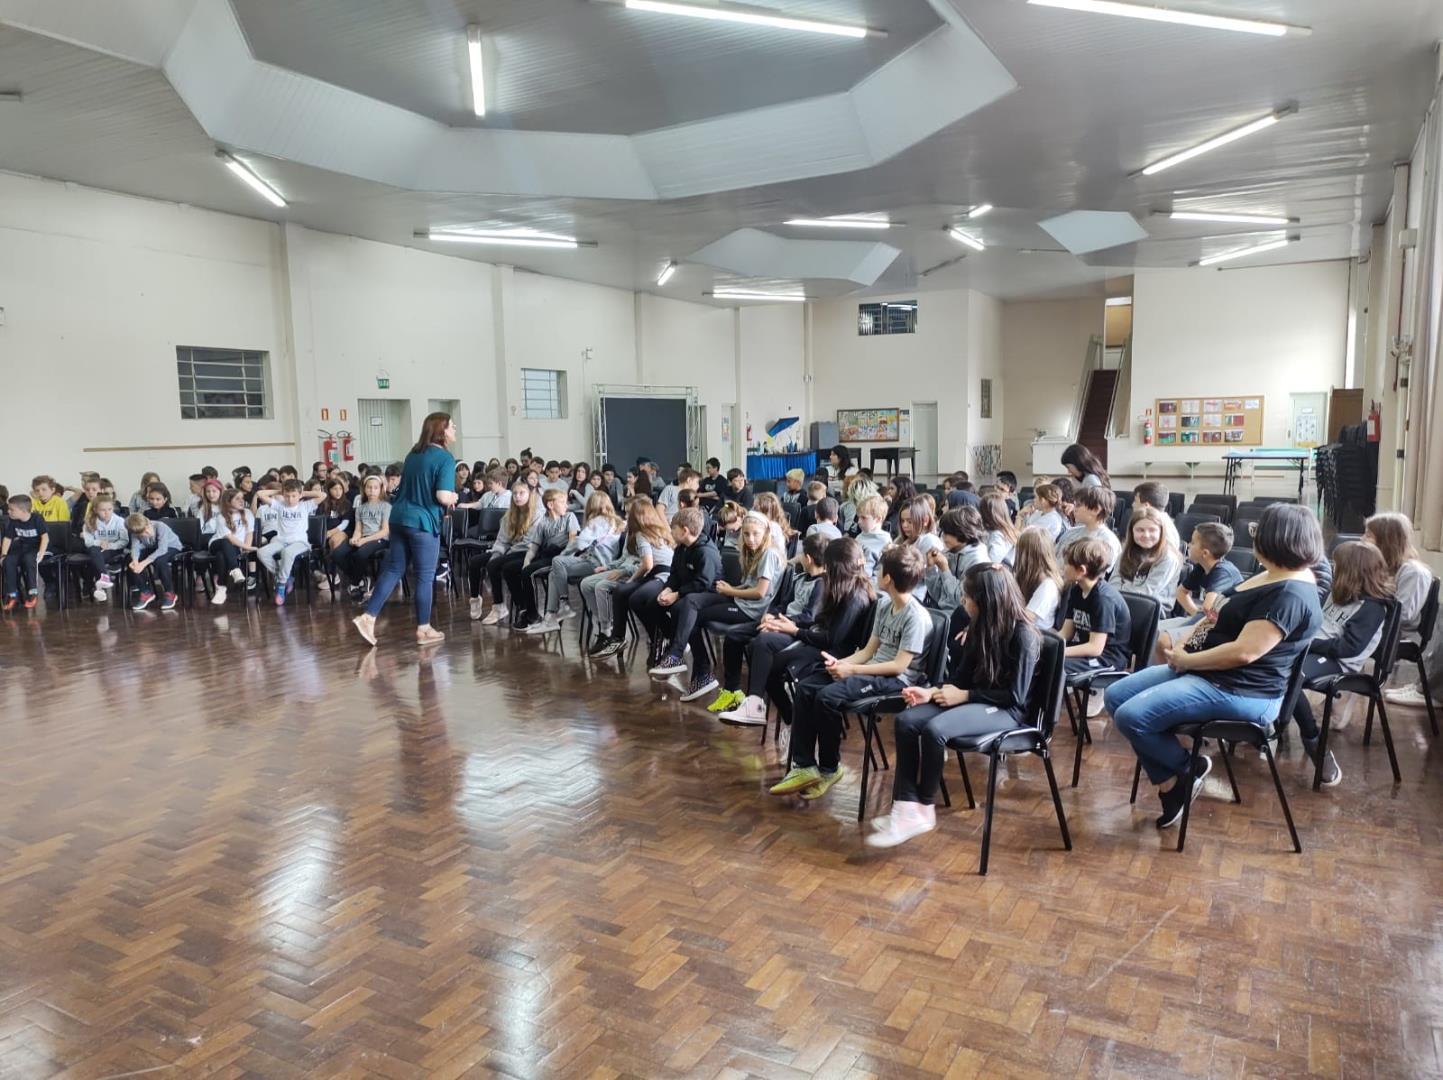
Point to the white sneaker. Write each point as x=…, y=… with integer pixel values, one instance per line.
x=219, y=597
x=100, y=594
x=475, y=607
x=752, y=712
x=237, y=575
x=566, y=612
x=497, y=614
x=907, y=819
x=1094, y=703
x=1406, y=695
x=546, y=626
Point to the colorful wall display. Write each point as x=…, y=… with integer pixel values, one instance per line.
x=1224, y=422
x=869, y=425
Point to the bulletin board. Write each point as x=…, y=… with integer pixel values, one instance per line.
x=1221, y=423
x=869, y=425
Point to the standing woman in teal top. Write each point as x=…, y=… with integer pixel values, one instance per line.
x=427, y=490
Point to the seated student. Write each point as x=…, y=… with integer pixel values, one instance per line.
x=508, y=551
x=1092, y=511
x=1044, y=512
x=211, y=514
x=157, y=500
x=696, y=567
x=1240, y=672
x=579, y=486
x=1067, y=497
x=1001, y=534
x=235, y=537
x=370, y=539
x=728, y=523
x=1084, y=468
x=871, y=536
x=393, y=480
x=1392, y=534
x=193, y=498
x=738, y=490
x=651, y=548
x=552, y=480
x=83, y=496
x=1150, y=565
x=964, y=546
x=106, y=539
x=807, y=507
x=987, y=689
x=1210, y=574
x=153, y=547
x=1098, y=625
x=337, y=511
x=595, y=545
x=686, y=480
x=778, y=527
x=1007, y=487
x=293, y=509
x=1154, y=493
x=858, y=489
x=962, y=495
x=463, y=476
x=793, y=491
x=598, y=589
x=138, y=503
x=265, y=509
x=613, y=486
x=496, y=494
x=729, y=608
x=891, y=659
x=46, y=500
x=550, y=535
x=25, y=542
x=825, y=514
x=1352, y=626
x=917, y=528
x=1038, y=577
x=789, y=645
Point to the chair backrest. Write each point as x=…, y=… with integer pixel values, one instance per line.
x=782, y=595
x=1048, y=681
x=316, y=530
x=1268, y=500
x=1174, y=503
x=758, y=486
x=935, y=669
x=1244, y=559
x=488, y=522
x=1342, y=538
x=1245, y=517
x=1187, y=522
x=59, y=533
x=187, y=531
x=1295, y=686
x=1386, y=654
x=731, y=566
x=1145, y=613
x=1427, y=616
x=1228, y=501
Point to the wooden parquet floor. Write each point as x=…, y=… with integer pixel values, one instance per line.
x=243, y=846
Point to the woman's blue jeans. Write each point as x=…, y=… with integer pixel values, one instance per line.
x=1148, y=705
x=418, y=549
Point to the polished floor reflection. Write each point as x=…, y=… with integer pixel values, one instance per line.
x=242, y=845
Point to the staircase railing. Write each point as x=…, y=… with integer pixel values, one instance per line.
x=1092, y=362
x=1121, y=412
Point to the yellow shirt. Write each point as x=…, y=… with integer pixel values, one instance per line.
x=57, y=509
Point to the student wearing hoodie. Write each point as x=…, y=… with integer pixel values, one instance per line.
x=550, y=535
x=106, y=539
x=696, y=567
x=592, y=548
x=153, y=547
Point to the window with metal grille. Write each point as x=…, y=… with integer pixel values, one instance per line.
x=543, y=394
x=223, y=384
x=892, y=317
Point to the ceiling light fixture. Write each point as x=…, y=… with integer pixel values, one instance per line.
x=744, y=294
x=978, y=211
x=666, y=274
x=1171, y=15
x=1240, y=219
x=1250, y=128
x=478, y=77
x=752, y=17
x=516, y=239
x=267, y=192
x=1119, y=301
x=966, y=238
x=839, y=223
x=1242, y=253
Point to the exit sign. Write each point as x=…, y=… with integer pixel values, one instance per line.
x=382, y=384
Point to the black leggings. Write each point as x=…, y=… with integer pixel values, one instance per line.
x=730, y=620
x=687, y=613
x=519, y=579
x=226, y=554
x=762, y=650
x=633, y=592
x=922, y=734
x=497, y=567
x=1314, y=667
x=107, y=561
x=160, y=568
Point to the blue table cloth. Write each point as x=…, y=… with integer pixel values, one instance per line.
x=775, y=466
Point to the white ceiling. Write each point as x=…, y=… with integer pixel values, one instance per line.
x=1097, y=98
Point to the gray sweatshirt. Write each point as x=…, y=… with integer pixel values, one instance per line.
x=110, y=532
x=550, y=533
x=161, y=541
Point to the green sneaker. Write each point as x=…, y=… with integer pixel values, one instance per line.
x=727, y=699
x=824, y=783
x=796, y=780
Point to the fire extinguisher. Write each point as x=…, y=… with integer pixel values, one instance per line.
x=348, y=446
x=1147, y=428
x=328, y=448
x=1375, y=420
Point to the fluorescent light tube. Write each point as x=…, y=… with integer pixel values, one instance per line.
x=839, y=223
x=1242, y=253
x=742, y=294
x=1169, y=15
x=1226, y=137
x=478, y=76
x=666, y=274
x=1240, y=219
x=751, y=18
x=1119, y=301
x=978, y=211
x=967, y=238
x=503, y=239
x=269, y=193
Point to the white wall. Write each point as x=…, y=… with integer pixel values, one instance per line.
x=98, y=290
x=1044, y=344
x=1271, y=331
x=984, y=361
x=686, y=344
x=772, y=368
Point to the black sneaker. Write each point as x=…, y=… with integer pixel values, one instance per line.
x=612, y=646
x=1181, y=793
x=1331, y=773
x=700, y=687
x=601, y=646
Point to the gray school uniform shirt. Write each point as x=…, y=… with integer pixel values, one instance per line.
x=827, y=529
x=801, y=594
x=770, y=568
x=1083, y=532
x=902, y=631
x=551, y=534
x=373, y=516
x=660, y=554
x=873, y=544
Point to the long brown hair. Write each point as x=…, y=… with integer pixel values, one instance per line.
x=1138, y=561
x=645, y=521
x=1034, y=561
x=845, y=577
x=995, y=517
x=598, y=504
x=520, y=516
x=1000, y=610
x=1359, y=571
x=770, y=507
x=433, y=432
x=917, y=511
x=1392, y=535
x=751, y=558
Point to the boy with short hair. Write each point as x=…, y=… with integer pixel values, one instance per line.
x=25, y=540
x=738, y=490
x=614, y=487
x=1209, y=573
x=892, y=658
x=874, y=539
x=393, y=481
x=1007, y=485
x=1092, y=511
x=714, y=485
x=825, y=513
x=159, y=546
x=792, y=491
x=86, y=494
x=553, y=480
x=686, y=480
x=192, y=503
x=696, y=567
x=294, y=509
x=1098, y=626
x=46, y=500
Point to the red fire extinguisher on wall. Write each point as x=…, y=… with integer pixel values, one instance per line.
x=1375, y=421
x=328, y=448
x=1147, y=428
x=348, y=446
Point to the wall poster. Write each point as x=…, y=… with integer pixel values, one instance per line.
x=869, y=425
x=1223, y=422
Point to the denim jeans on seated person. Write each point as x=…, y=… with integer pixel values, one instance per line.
x=1148, y=705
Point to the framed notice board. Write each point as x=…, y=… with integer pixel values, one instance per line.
x=869, y=425
x=1221, y=422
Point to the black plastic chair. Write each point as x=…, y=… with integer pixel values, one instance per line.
x=1230, y=732
x=194, y=556
x=758, y=486
x=55, y=554
x=1341, y=538
x=1411, y=652
x=1370, y=685
x=1243, y=520
x=1229, y=502
x=1145, y=614
x=1244, y=559
x=1121, y=512
x=1268, y=500
x=1187, y=522
x=474, y=533
x=1174, y=503
x=1035, y=737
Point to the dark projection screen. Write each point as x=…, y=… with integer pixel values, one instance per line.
x=645, y=427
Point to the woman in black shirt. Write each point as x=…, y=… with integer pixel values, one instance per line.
x=1240, y=671
x=988, y=683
